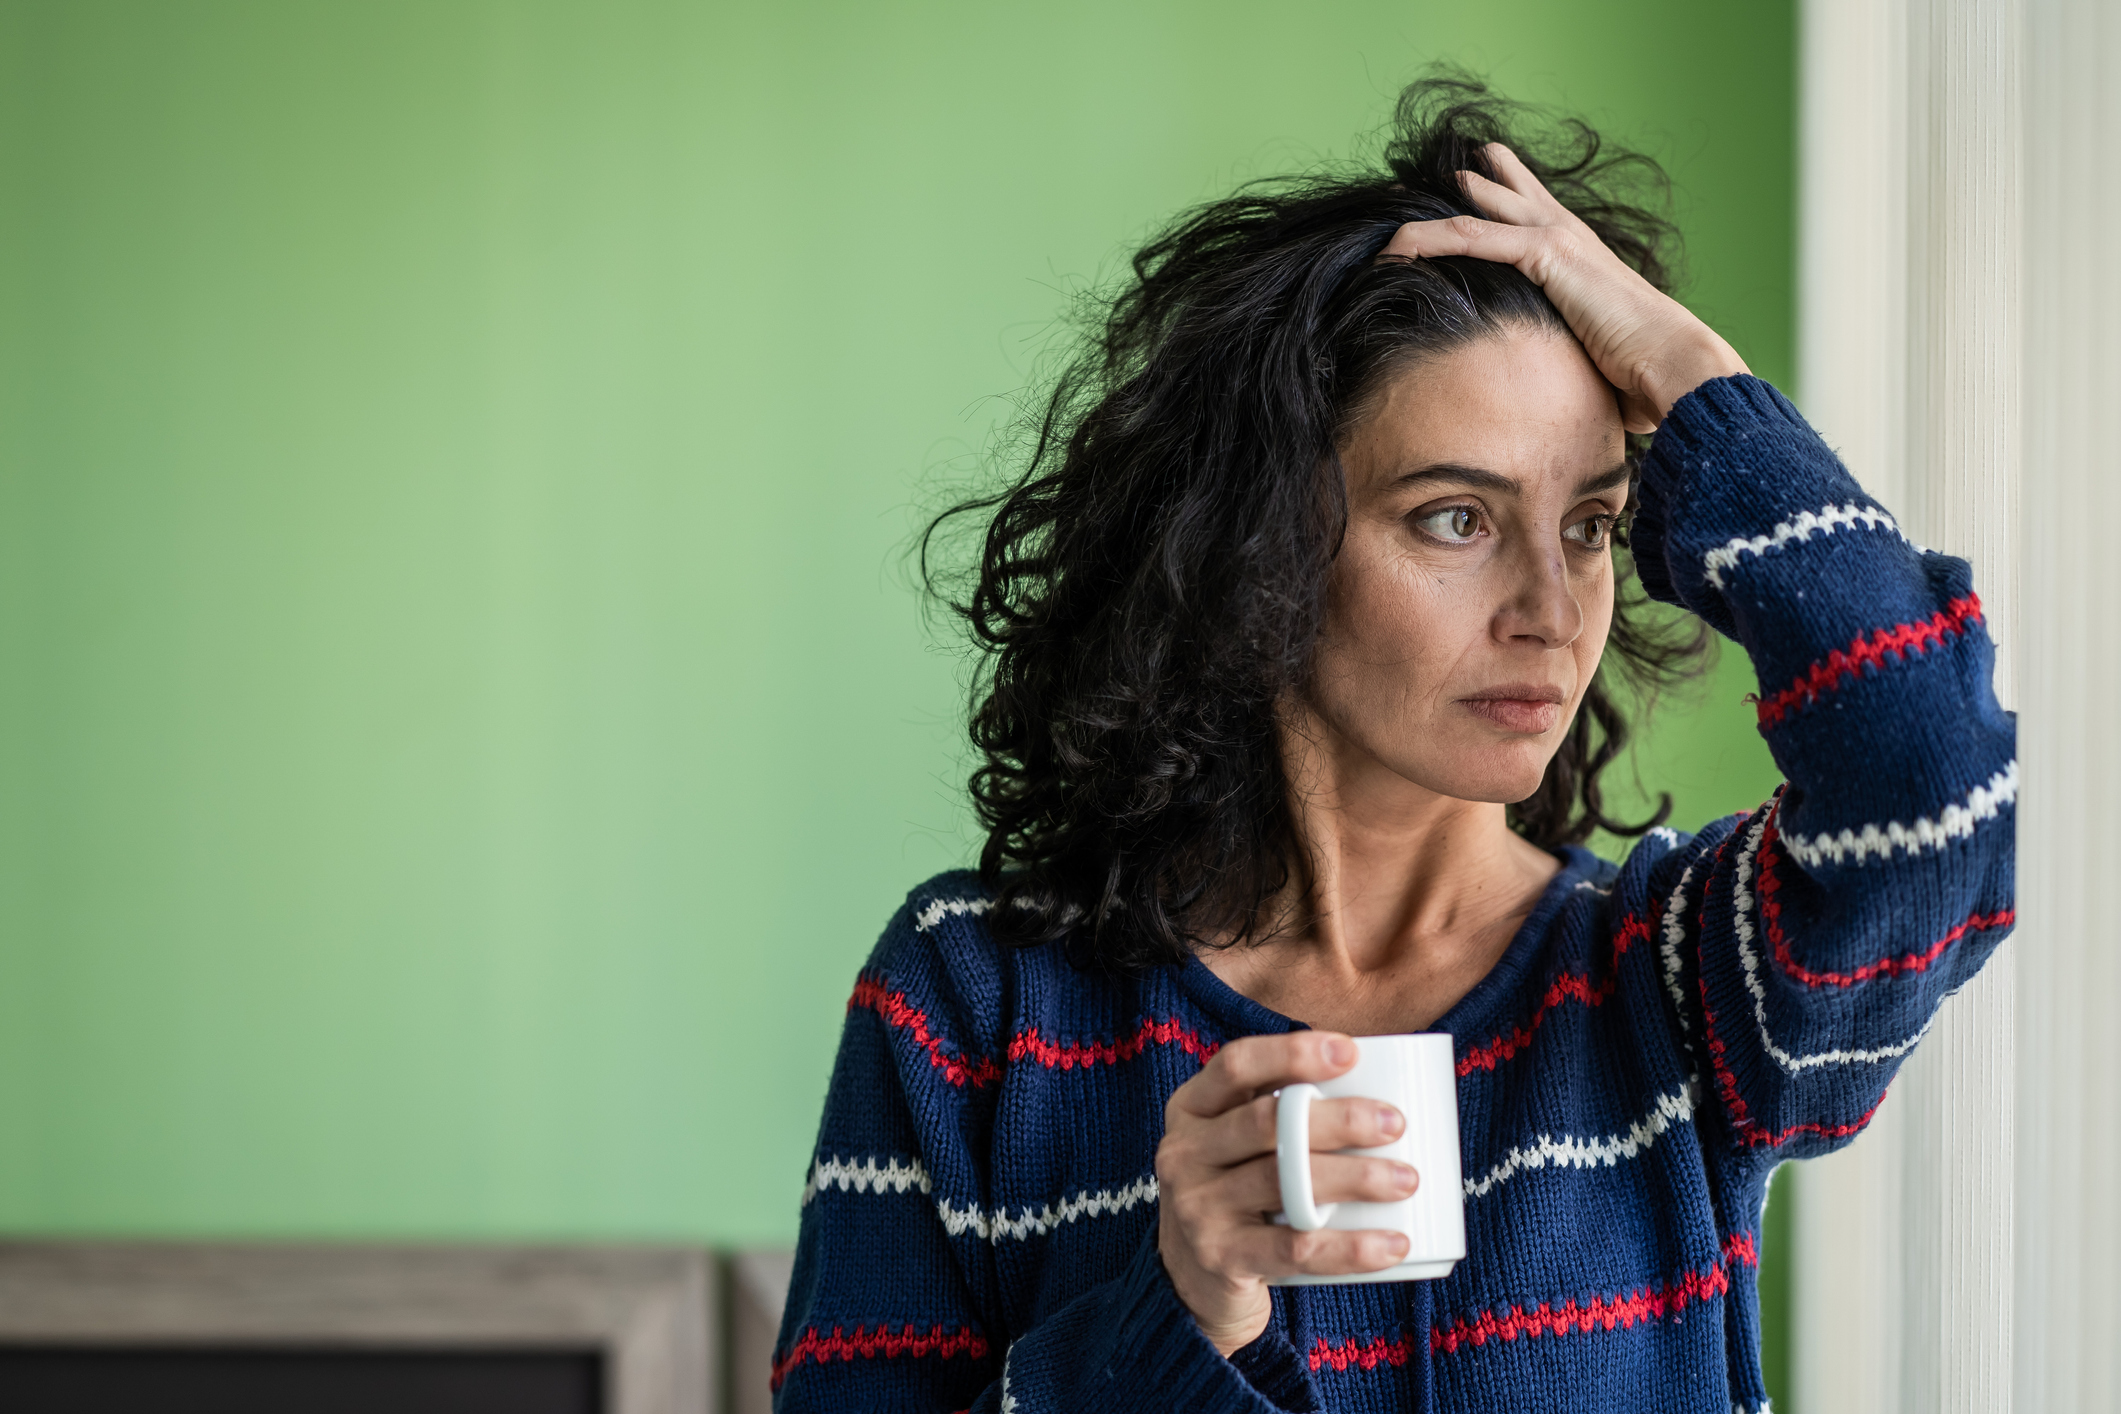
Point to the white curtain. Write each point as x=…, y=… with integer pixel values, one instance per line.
x=1958, y=343
x=2069, y=1047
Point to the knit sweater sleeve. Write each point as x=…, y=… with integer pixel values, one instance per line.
x=895, y=1302
x=1807, y=946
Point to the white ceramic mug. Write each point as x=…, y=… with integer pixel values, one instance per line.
x=1416, y=1075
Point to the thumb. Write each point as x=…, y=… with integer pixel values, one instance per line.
x=1638, y=414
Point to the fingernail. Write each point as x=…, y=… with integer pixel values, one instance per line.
x=1390, y=1120
x=1400, y=1244
x=1340, y=1051
x=1406, y=1175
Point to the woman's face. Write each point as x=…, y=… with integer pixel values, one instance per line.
x=1472, y=596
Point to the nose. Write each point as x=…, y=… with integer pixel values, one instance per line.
x=1540, y=608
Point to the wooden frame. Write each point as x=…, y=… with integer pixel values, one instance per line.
x=649, y=1312
x=758, y=1293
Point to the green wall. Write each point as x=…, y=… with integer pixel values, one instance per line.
x=463, y=717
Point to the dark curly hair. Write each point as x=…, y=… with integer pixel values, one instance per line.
x=1153, y=583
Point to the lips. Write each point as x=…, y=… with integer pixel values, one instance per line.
x=1527, y=707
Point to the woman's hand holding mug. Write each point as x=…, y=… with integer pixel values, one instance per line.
x=1217, y=1181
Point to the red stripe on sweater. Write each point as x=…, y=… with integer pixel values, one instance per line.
x=1569, y=986
x=1829, y=672
x=1367, y=1354
x=1574, y=1316
x=1771, y=914
x=882, y=1341
x=897, y=1011
x=1585, y=1315
x=1030, y=1045
x=961, y=1070
x=1750, y=1132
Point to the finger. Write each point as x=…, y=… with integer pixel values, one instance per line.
x=1255, y=1187
x=1351, y=1178
x=1249, y=1130
x=1244, y=1067
x=1512, y=172
x=1465, y=235
x=1502, y=204
x=1637, y=413
x=1268, y=1250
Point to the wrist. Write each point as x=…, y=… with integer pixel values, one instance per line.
x=1228, y=1321
x=1232, y=1327
x=1686, y=365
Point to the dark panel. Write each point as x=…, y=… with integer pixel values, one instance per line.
x=107, y=1380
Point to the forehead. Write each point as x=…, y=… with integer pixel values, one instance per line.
x=1528, y=404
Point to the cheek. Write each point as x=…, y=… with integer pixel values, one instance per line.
x=1394, y=631
x=1596, y=601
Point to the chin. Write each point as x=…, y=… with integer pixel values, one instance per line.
x=1495, y=783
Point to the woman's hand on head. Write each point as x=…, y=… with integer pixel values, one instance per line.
x=1647, y=344
x=1217, y=1181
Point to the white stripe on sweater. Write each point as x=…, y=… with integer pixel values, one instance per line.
x=958, y=1221
x=1802, y=526
x=1954, y=822
x=1674, y=938
x=862, y=1175
x=939, y=909
x=1567, y=1152
x=1742, y=925
x=904, y=1175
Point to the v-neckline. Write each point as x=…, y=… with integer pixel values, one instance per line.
x=1474, y=1012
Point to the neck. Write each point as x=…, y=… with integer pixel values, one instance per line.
x=1403, y=897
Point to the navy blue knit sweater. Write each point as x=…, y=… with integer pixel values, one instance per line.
x=979, y=1221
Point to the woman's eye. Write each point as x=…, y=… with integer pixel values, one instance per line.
x=1452, y=523
x=1591, y=532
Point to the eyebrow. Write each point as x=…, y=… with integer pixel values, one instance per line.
x=1481, y=478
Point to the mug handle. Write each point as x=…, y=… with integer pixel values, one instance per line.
x=1292, y=1156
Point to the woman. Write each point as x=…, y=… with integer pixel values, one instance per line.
x=1293, y=726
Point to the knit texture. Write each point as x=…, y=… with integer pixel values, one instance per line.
x=979, y=1219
